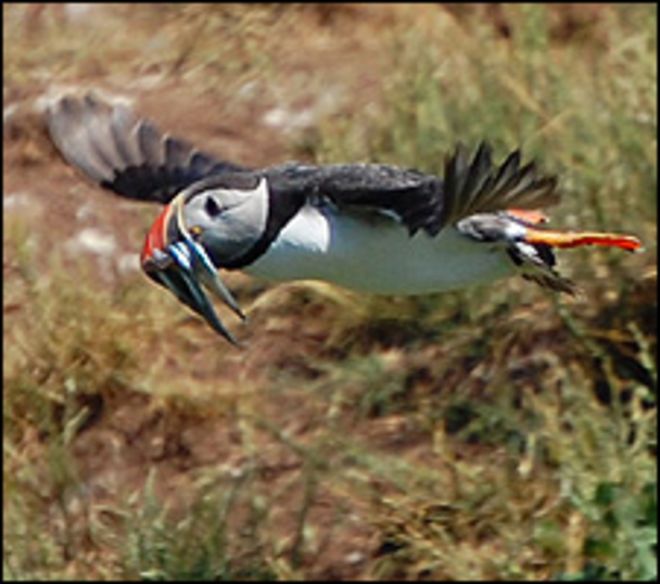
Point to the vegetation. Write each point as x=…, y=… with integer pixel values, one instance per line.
x=495, y=433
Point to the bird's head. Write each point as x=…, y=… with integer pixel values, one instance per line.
x=208, y=226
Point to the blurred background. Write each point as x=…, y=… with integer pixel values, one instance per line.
x=501, y=432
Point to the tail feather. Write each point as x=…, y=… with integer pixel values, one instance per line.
x=537, y=264
x=531, y=247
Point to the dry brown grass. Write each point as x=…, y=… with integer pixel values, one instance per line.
x=495, y=433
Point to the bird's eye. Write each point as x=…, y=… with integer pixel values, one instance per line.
x=212, y=207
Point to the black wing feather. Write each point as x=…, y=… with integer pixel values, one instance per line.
x=411, y=195
x=125, y=154
x=422, y=201
x=131, y=157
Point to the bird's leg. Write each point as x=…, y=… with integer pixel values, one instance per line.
x=577, y=238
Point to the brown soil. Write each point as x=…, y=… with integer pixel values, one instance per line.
x=342, y=49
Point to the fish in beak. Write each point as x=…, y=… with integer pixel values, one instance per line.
x=173, y=258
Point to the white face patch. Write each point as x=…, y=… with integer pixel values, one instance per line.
x=228, y=222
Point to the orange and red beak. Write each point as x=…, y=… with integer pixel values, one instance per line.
x=172, y=258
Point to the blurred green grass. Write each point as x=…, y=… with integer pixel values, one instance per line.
x=499, y=432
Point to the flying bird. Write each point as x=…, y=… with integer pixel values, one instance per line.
x=368, y=227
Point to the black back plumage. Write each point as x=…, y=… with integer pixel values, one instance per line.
x=423, y=201
x=130, y=157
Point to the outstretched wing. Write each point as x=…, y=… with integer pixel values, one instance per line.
x=480, y=187
x=423, y=201
x=123, y=153
x=131, y=157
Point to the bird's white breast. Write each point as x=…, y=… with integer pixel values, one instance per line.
x=374, y=253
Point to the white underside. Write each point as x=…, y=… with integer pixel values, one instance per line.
x=374, y=253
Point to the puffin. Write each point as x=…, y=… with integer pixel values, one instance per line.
x=368, y=227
